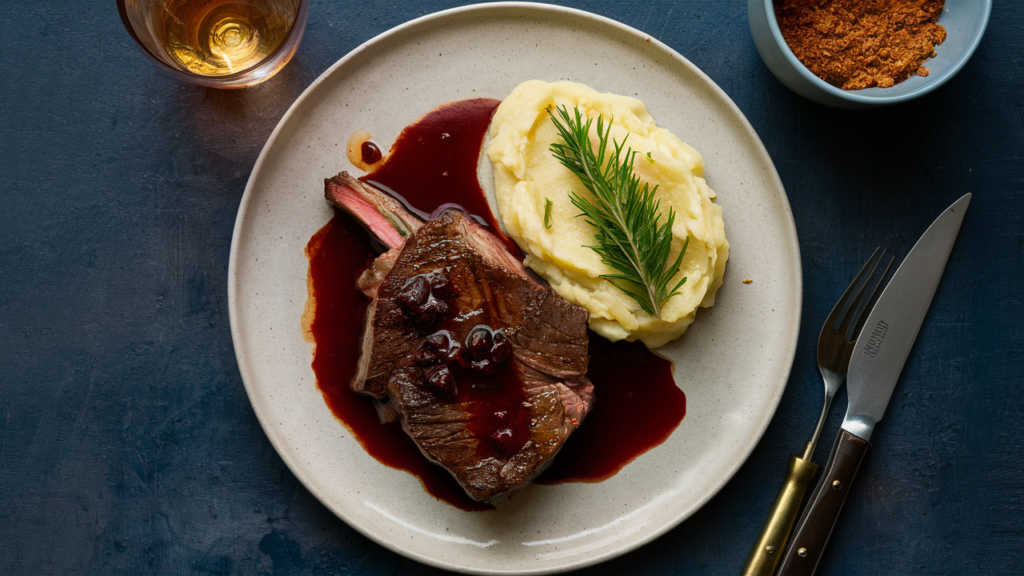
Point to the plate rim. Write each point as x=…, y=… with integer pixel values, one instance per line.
x=426, y=20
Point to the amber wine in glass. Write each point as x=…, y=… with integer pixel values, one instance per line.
x=216, y=39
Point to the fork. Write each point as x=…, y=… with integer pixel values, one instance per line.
x=835, y=346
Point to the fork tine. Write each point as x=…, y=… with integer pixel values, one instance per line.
x=843, y=305
x=857, y=321
x=844, y=323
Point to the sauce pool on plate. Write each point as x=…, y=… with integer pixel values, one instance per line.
x=432, y=163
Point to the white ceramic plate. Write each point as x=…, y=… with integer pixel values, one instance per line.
x=732, y=364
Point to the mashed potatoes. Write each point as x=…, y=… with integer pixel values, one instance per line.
x=527, y=176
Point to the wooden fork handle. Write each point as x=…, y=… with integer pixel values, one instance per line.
x=819, y=518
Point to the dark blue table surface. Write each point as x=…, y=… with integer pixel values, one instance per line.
x=127, y=442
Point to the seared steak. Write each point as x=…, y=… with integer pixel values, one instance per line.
x=484, y=365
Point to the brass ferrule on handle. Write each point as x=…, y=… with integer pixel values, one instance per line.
x=774, y=536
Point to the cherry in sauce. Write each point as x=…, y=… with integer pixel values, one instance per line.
x=434, y=162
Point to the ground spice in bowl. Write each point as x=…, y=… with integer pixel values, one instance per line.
x=857, y=44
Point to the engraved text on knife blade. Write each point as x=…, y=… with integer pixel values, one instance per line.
x=874, y=342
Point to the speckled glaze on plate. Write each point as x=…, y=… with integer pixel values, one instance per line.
x=732, y=364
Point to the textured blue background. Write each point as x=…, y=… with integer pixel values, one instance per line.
x=127, y=443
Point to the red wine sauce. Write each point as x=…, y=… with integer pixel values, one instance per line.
x=434, y=162
x=638, y=406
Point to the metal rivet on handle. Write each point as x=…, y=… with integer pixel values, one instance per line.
x=802, y=552
x=769, y=549
x=837, y=485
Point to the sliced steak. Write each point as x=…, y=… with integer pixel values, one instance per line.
x=484, y=365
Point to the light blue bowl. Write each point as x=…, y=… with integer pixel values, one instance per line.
x=964, y=21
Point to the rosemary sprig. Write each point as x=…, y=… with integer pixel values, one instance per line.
x=630, y=237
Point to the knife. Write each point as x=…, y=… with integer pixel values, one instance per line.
x=882, y=349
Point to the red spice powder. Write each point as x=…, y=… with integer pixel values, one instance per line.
x=857, y=44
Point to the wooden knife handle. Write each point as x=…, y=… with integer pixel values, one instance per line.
x=767, y=550
x=819, y=518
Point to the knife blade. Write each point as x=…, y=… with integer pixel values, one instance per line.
x=878, y=358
